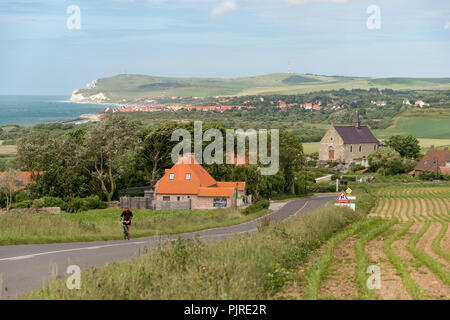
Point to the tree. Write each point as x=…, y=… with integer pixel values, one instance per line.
x=8, y=185
x=154, y=156
x=387, y=160
x=291, y=157
x=107, y=151
x=406, y=146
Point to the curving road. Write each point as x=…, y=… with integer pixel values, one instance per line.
x=28, y=267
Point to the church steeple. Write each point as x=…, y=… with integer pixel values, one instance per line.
x=356, y=121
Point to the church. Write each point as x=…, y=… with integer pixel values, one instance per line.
x=348, y=143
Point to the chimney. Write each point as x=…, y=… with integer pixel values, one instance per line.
x=432, y=146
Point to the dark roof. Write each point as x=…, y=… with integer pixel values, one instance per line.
x=352, y=134
x=432, y=159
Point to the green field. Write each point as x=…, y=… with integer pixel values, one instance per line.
x=420, y=128
x=96, y=225
x=128, y=86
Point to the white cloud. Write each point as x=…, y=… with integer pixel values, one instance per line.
x=447, y=25
x=224, y=7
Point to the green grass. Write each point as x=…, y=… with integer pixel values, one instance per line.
x=431, y=263
x=310, y=147
x=254, y=266
x=420, y=128
x=437, y=242
x=103, y=224
x=316, y=273
x=133, y=85
x=413, y=288
x=362, y=259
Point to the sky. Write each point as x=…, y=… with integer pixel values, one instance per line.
x=47, y=48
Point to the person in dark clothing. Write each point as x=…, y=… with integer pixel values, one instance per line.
x=126, y=216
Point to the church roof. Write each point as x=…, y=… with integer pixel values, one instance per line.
x=352, y=134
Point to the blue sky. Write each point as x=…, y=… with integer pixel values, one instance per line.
x=217, y=38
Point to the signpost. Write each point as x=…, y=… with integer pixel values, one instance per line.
x=349, y=197
x=343, y=200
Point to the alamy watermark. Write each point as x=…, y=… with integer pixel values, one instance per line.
x=374, y=280
x=74, y=280
x=214, y=152
x=74, y=20
x=374, y=20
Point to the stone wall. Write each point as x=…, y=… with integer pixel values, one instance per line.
x=171, y=205
x=49, y=210
x=136, y=202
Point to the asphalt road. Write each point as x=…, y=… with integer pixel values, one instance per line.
x=28, y=267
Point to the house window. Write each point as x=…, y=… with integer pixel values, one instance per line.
x=360, y=148
x=178, y=198
x=375, y=147
x=166, y=198
x=351, y=148
x=171, y=176
x=188, y=176
x=331, y=138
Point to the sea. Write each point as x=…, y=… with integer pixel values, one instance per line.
x=31, y=110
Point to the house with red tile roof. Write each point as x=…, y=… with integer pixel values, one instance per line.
x=20, y=179
x=433, y=160
x=188, y=182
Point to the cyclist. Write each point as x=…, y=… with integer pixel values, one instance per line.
x=126, y=216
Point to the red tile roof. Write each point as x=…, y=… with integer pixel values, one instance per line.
x=22, y=179
x=432, y=159
x=201, y=182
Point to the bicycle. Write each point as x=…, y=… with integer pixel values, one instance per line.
x=126, y=233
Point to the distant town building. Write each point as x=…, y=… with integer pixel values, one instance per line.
x=434, y=160
x=187, y=185
x=379, y=103
x=347, y=143
x=421, y=103
x=406, y=101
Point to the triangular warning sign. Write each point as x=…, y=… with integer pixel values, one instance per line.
x=342, y=197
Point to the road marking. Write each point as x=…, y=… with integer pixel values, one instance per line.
x=301, y=208
x=29, y=256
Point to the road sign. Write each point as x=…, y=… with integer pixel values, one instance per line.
x=348, y=190
x=349, y=205
x=351, y=197
x=342, y=197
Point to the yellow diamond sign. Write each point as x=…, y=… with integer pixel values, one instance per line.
x=348, y=190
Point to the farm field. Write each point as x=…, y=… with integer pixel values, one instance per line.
x=406, y=236
x=7, y=149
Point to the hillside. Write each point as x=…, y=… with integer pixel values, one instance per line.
x=130, y=86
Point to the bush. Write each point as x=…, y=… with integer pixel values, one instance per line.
x=49, y=202
x=22, y=196
x=257, y=206
x=89, y=203
x=23, y=204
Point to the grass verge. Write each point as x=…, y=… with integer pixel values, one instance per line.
x=101, y=225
